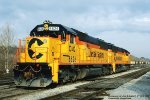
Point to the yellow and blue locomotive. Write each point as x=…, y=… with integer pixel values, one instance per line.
x=55, y=53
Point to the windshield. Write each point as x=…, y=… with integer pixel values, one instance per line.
x=47, y=34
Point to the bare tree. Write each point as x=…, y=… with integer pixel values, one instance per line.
x=6, y=42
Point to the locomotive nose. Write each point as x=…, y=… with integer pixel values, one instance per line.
x=37, y=49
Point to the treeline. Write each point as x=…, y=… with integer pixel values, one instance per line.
x=7, y=63
x=7, y=49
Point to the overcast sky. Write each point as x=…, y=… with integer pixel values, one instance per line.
x=125, y=23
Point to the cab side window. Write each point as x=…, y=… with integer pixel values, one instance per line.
x=63, y=36
x=72, y=38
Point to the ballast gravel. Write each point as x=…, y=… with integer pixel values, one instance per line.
x=137, y=89
x=47, y=93
x=120, y=74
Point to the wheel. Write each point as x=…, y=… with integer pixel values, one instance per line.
x=74, y=78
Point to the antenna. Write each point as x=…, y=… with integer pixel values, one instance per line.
x=47, y=21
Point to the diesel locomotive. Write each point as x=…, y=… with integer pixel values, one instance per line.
x=54, y=53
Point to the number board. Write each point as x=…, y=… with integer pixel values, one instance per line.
x=50, y=28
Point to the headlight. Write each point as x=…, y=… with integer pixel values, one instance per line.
x=45, y=41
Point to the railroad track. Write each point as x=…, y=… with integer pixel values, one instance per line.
x=7, y=94
x=96, y=90
x=77, y=94
x=84, y=92
x=6, y=80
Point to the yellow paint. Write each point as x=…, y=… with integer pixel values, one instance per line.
x=56, y=52
x=114, y=67
x=46, y=27
x=55, y=69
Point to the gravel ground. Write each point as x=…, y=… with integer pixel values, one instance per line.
x=137, y=89
x=119, y=74
x=49, y=92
